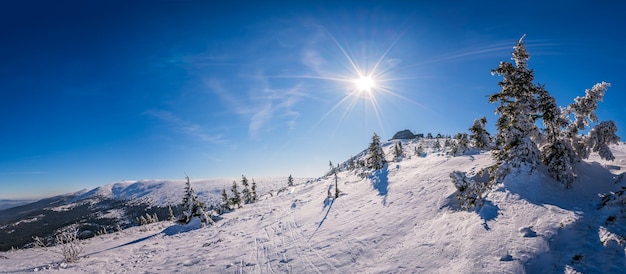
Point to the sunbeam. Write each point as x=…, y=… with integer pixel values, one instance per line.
x=361, y=84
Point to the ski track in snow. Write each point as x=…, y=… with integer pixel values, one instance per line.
x=409, y=225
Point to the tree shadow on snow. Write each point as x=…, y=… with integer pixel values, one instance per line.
x=380, y=182
x=328, y=202
x=487, y=211
x=576, y=245
x=194, y=224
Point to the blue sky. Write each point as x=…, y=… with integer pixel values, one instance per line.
x=94, y=92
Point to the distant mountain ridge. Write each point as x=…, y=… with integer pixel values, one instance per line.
x=7, y=203
x=112, y=206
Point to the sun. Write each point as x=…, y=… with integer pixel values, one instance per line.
x=364, y=84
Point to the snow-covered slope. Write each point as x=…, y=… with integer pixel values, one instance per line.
x=403, y=219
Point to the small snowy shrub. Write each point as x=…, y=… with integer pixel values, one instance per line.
x=66, y=244
x=470, y=193
x=69, y=246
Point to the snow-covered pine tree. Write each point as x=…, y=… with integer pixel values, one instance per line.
x=225, y=203
x=556, y=152
x=236, y=199
x=437, y=145
x=447, y=143
x=171, y=216
x=142, y=220
x=479, y=137
x=375, y=155
x=290, y=181
x=192, y=206
x=460, y=146
x=246, y=196
x=398, y=151
x=351, y=163
x=601, y=135
x=253, y=188
x=419, y=150
x=517, y=106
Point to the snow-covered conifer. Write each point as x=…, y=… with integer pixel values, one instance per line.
x=290, y=180
x=171, y=216
x=192, y=206
x=601, y=136
x=375, y=156
x=437, y=145
x=253, y=188
x=517, y=106
x=447, y=143
x=419, y=150
x=351, y=163
x=557, y=155
x=584, y=112
x=236, y=199
x=461, y=144
x=398, y=151
x=479, y=136
x=246, y=196
x=556, y=152
x=225, y=203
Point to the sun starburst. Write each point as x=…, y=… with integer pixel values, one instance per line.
x=364, y=84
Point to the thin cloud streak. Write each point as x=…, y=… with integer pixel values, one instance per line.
x=264, y=105
x=24, y=173
x=190, y=129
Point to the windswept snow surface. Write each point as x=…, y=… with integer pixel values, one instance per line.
x=402, y=219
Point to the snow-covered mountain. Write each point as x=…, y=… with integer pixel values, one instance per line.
x=170, y=192
x=402, y=219
x=111, y=207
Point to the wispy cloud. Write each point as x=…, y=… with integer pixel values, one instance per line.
x=187, y=128
x=265, y=108
x=23, y=173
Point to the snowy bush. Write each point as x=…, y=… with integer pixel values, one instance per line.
x=66, y=244
x=69, y=245
x=470, y=193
